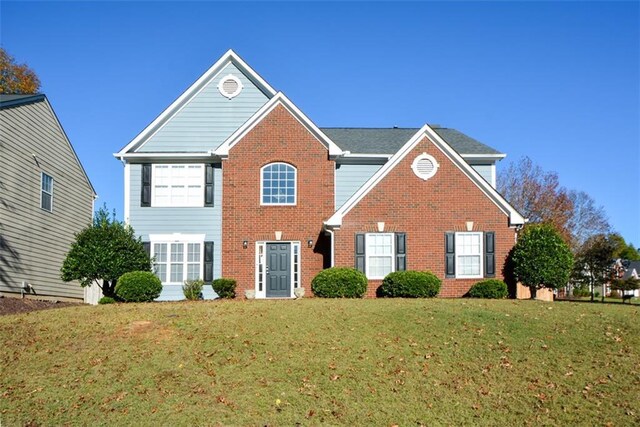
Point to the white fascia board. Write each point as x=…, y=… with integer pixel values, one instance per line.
x=160, y=155
x=348, y=155
x=229, y=57
x=335, y=221
x=483, y=157
x=278, y=99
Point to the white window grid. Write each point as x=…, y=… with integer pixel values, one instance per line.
x=46, y=197
x=380, y=253
x=468, y=255
x=176, y=262
x=177, y=185
x=278, y=184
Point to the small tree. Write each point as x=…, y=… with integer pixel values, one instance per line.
x=594, y=264
x=103, y=252
x=541, y=258
x=628, y=284
x=16, y=78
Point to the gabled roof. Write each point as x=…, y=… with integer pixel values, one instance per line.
x=278, y=99
x=229, y=57
x=388, y=141
x=514, y=217
x=7, y=101
x=634, y=267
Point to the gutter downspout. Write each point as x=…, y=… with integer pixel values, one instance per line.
x=333, y=246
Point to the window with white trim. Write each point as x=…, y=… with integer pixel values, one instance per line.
x=469, y=255
x=176, y=262
x=278, y=184
x=46, y=192
x=178, y=185
x=380, y=254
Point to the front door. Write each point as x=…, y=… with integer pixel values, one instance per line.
x=278, y=270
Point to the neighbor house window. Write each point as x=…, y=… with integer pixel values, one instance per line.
x=178, y=185
x=468, y=253
x=278, y=184
x=379, y=254
x=46, y=198
x=176, y=262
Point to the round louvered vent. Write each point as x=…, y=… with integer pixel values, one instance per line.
x=230, y=86
x=425, y=166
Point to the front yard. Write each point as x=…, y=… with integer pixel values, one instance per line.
x=379, y=362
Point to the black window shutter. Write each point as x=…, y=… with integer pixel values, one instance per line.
x=490, y=254
x=208, y=185
x=208, y=261
x=401, y=251
x=360, y=253
x=145, y=191
x=147, y=247
x=450, y=254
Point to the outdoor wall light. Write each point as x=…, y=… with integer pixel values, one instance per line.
x=245, y=244
x=310, y=243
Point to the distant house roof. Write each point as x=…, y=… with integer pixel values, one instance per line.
x=10, y=100
x=389, y=140
x=633, y=266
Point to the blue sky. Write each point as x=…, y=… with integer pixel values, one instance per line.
x=558, y=82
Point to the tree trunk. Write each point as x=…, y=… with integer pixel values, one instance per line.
x=109, y=288
x=534, y=292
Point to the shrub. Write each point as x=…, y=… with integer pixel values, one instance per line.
x=490, y=288
x=339, y=282
x=192, y=289
x=409, y=284
x=225, y=288
x=106, y=300
x=615, y=294
x=138, y=286
x=581, y=292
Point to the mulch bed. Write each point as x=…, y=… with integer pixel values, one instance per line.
x=19, y=305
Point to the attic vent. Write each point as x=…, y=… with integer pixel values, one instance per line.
x=425, y=166
x=230, y=86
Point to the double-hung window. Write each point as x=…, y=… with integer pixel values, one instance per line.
x=178, y=185
x=46, y=192
x=380, y=254
x=278, y=184
x=176, y=262
x=468, y=255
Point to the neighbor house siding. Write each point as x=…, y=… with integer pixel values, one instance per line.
x=150, y=220
x=209, y=118
x=349, y=178
x=34, y=242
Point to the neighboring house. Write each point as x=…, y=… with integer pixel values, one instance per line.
x=233, y=180
x=45, y=198
x=632, y=270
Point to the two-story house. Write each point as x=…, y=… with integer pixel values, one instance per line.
x=233, y=180
x=45, y=198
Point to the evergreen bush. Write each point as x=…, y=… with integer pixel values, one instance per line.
x=339, y=282
x=192, y=289
x=490, y=288
x=138, y=286
x=410, y=284
x=225, y=288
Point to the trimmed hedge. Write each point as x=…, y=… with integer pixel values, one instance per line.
x=138, y=286
x=192, y=289
x=225, y=288
x=106, y=300
x=490, y=288
x=409, y=284
x=339, y=282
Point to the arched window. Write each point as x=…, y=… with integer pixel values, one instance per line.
x=278, y=184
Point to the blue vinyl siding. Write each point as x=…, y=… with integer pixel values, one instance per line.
x=349, y=178
x=207, y=221
x=174, y=293
x=486, y=171
x=209, y=118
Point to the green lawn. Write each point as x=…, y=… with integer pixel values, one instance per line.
x=375, y=362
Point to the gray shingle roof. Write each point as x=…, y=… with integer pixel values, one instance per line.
x=633, y=265
x=389, y=140
x=9, y=100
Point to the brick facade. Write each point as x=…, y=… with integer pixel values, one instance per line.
x=425, y=210
x=279, y=137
